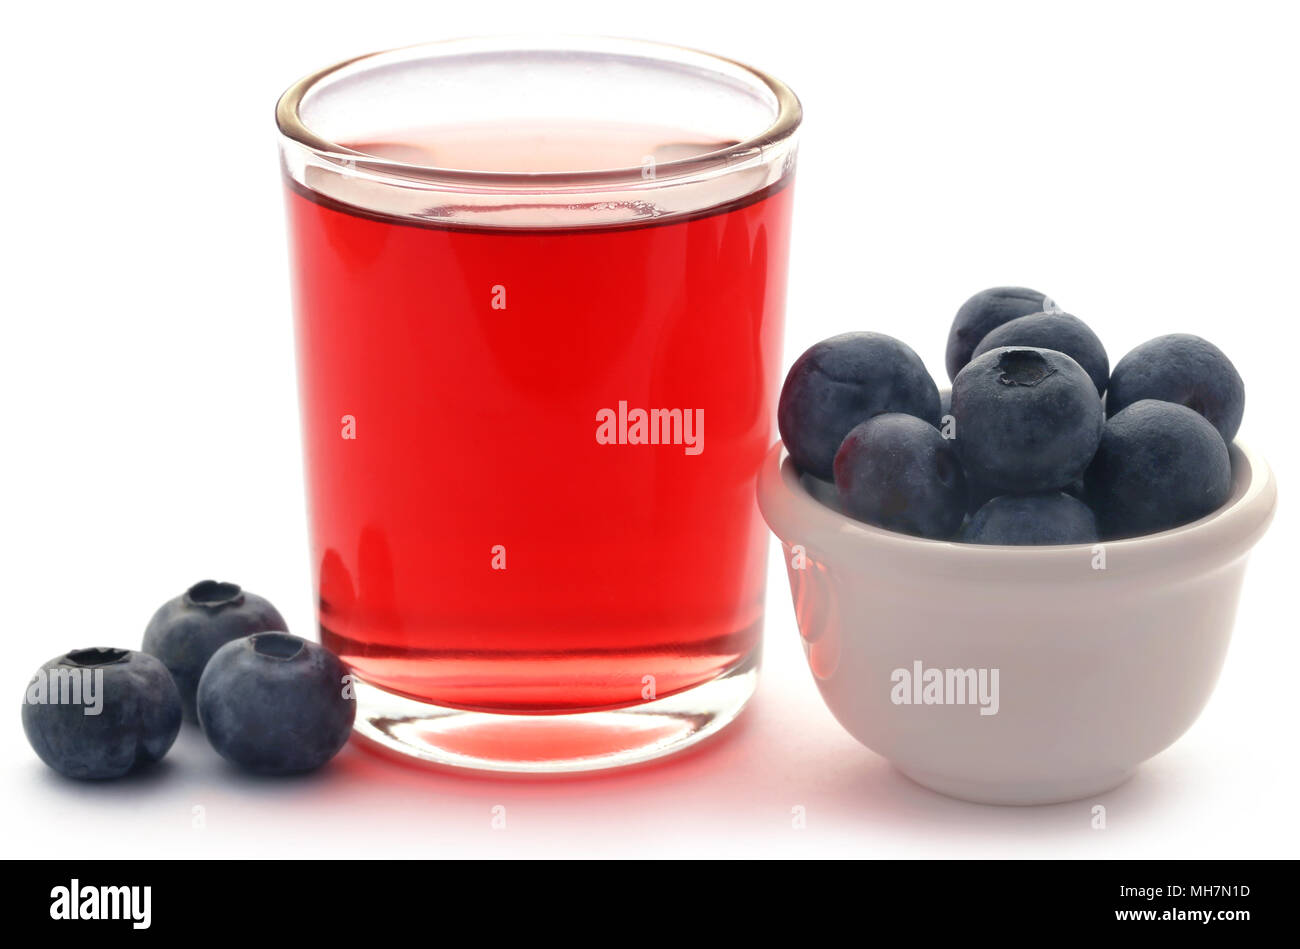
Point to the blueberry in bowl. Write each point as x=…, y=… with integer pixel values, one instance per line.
x=843, y=381
x=1158, y=465
x=1058, y=331
x=273, y=703
x=898, y=472
x=186, y=630
x=985, y=312
x=1026, y=419
x=1051, y=517
x=101, y=713
x=1185, y=369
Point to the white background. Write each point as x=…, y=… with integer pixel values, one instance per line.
x=1138, y=162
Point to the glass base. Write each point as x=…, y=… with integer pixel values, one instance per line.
x=551, y=744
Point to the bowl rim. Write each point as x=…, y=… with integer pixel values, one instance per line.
x=796, y=517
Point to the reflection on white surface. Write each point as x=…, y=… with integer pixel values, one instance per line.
x=733, y=796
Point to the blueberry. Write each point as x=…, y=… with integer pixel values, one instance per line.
x=977, y=494
x=1159, y=465
x=1051, y=517
x=896, y=471
x=100, y=713
x=1077, y=489
x=842, y=381
x=945, y=403
x=1055, y=330
x=1026, y=420
x=984, y=312
x=1185, y=369
x=187, y=630
x=276, y=704
x=981, y=494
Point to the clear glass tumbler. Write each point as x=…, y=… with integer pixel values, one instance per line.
x=539, y=288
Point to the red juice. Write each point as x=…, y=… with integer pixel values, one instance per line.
x=531, y=452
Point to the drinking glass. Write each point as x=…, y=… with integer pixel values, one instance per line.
x=539, y=289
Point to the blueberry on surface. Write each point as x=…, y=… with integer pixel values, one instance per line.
x=1185, y=369
x=1159, y=465
x=276, y=704
x=1052, y=517
x=842, y=381
x=983, y=313
x=187, y=630
x=1026, y=420
x=100, y=713
x=896, y=471
x=1055, y=330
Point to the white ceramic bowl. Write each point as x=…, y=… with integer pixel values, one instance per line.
x=1104, y=654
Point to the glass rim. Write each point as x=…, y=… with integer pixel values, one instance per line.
x=292, y=126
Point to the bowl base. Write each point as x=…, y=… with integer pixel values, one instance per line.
x=1054, y=791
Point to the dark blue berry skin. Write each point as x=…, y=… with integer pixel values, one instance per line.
x=1077, y=489
x=187, y=630
x=276, y=704
x=1019, y=519
x=1159, y=465
x=983, y=313
x=977, y=495
x=1027, y=420
x=981, y=494
x=1055, y=330
x=945, y=403
x=897, y=472
x=1185, y=369
x=842, y=381
x=139, y=714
